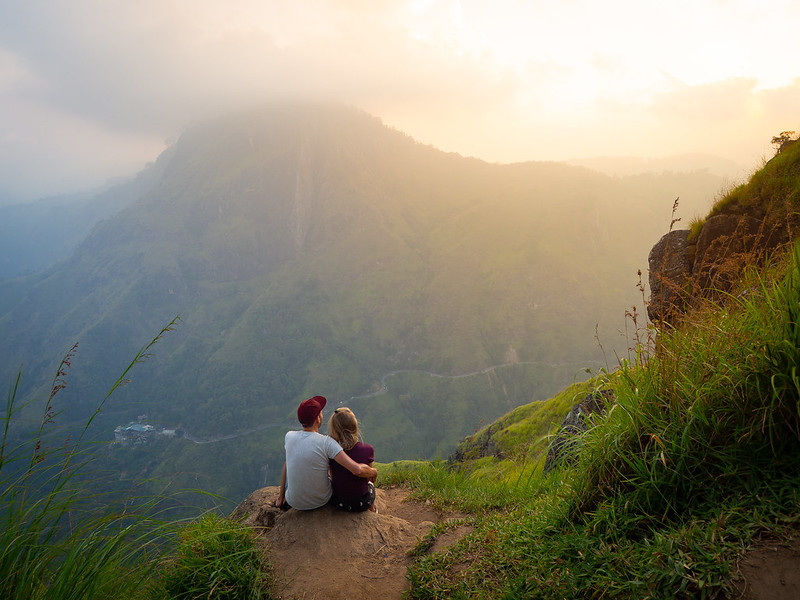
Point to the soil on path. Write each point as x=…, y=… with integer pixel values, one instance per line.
x=334, y=555
x=770, y=570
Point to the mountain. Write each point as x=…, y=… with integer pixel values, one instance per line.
x=36, y=235
x=309, y=249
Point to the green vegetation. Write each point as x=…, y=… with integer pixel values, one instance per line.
x=60, y=538
x=698, y=454
x=215, y=558
x=772, y=192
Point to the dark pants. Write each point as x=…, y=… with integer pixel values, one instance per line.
x=355, y=504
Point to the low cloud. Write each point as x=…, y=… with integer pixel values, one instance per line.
x=90, y=90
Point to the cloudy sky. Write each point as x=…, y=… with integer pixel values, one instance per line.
x=92, y=89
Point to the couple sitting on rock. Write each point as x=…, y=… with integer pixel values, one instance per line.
x=321, y=469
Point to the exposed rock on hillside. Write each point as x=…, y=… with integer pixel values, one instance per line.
x=742, y=230
x=577, y=421
x=684, y=269
x=670, y=267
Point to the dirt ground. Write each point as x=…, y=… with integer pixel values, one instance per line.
x=332, y=555
x=770, y=570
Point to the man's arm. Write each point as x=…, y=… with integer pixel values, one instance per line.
x=357, y=469
x=282, y=491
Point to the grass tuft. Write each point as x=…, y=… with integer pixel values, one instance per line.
x=215, y=558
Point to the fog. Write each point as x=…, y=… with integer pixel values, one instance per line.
x=91, y=90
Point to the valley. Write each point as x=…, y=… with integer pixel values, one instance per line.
x=310, y=249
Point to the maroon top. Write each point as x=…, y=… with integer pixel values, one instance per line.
x=346, y=485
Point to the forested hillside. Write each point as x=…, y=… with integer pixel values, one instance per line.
x=312, y=250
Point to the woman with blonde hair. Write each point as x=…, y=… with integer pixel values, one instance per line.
x=350, y=493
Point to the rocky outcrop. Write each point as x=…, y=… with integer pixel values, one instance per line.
x=723, y=246
x=745, y=228
x=258, y=510
x=479, y=445
x=683, y=270
x=577, y=421
x=331, y=554
x=670, y=265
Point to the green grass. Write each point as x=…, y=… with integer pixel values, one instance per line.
x=773, y=190
x=698, y=454
x=215, y=558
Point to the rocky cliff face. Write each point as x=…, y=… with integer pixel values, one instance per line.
x=745, y=227
x=684, y=269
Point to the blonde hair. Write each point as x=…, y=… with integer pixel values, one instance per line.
x=343, y=427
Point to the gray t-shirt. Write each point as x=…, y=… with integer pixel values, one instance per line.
x=307, y=483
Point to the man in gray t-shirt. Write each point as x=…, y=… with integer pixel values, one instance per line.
x=305, y=484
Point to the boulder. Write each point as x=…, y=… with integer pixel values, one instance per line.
x=577, y=421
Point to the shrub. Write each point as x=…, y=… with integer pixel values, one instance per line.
x=716, y=407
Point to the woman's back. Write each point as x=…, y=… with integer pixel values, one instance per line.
x=345, y=484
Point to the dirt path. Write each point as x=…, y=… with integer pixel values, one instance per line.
x=333, y=555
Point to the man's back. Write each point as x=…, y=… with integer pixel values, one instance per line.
x=307, y=455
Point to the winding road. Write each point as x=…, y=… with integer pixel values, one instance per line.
x=383, y=390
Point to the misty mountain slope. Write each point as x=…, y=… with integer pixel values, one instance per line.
x=312, y=250
x=37, y=234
